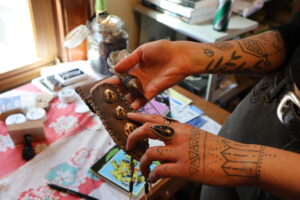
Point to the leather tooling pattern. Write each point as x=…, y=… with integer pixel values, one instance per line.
x=108, y=103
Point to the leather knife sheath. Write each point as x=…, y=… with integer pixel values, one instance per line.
x=108, y=103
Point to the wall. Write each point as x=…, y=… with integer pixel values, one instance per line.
x=124, y=9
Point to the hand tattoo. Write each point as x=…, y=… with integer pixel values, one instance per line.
x=194, y=156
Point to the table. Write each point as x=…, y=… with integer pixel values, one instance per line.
x=74, y=142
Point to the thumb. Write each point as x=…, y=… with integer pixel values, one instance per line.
x=129, y=62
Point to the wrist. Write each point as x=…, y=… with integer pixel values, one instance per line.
x=192, y=56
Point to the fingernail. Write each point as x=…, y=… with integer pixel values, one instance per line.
x=151, y=177
x=128, y=146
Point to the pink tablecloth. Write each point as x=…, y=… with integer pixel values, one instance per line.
x=74, y=142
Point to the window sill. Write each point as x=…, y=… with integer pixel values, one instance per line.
x=22, y=75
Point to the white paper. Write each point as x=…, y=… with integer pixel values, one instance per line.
x=211, y=125
x=247, y=7
x=181, y=113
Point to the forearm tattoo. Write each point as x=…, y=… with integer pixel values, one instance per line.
x=213, y=154
x=242, y=160
x=259, y=47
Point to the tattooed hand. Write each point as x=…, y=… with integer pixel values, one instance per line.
x=158, y=65
x=197, y=155
x=162, y=64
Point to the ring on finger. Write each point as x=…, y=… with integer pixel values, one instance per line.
x=163, y=131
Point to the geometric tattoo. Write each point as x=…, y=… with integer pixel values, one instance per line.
x=242, y=160
x=194, y=156
x=255, y=48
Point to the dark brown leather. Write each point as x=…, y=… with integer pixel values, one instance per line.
x=94, y=96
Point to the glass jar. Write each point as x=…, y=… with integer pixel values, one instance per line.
x=107, y=35
x=104, y=34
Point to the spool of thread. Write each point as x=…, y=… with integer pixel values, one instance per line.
x=36, y=114
x=18, y=118
x=67, y=95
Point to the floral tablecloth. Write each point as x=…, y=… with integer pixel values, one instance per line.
x=74, y=143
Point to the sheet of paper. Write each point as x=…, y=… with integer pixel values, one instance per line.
x=179, y=97
x=197, y=122
x=247, y=7
x=211, y=125
x=160, y=107
x=183, y=115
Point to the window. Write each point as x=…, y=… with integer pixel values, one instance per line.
x=16, y=35
x=27, y=40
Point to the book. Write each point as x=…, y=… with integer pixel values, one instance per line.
x=184, y=11
x=192, y=3
x=115, y=168
x=204, y=16
x=104, y=159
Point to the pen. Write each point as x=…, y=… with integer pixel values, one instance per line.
x=72, y=192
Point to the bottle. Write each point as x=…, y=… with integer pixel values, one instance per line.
x=222, y=15
x=100, y=8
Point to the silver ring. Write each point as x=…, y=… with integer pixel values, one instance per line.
x=168, y=120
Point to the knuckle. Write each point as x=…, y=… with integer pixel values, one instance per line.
x=146, y=126
x=150, y=153
x=156, y=117
x=160, y=171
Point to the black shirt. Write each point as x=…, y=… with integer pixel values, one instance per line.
x=290, y=34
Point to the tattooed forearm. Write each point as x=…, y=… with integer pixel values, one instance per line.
x=213, y=155
x=242, y=160
x=258, y=53
x=255, y=48
x=232, y=64
x=223, y=156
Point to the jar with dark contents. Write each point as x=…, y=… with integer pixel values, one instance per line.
x=107, y=35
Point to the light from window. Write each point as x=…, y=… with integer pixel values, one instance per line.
x=17, y=42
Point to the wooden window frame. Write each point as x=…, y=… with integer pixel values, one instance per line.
x=44, y=32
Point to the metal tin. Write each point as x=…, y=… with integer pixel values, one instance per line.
x=222, y=16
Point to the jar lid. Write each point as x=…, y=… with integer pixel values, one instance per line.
x=106, y=22
x=76, y=36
